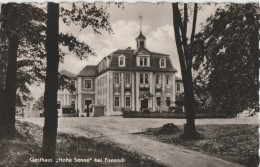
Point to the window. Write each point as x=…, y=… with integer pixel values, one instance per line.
x=168, y=101
x=87, y=84
x=121, y=61
x=117, y=101
x=116, y=78
x=158, y=79
x=58, y=104
x=178, y=87
x=162, y=63
x=146, y=78
x=141, y=78
x=158, y=101
x=73, y=83
x=143, y=61
x=72, y=103
x=128, y=101
x=168, y=79
x=127, y=78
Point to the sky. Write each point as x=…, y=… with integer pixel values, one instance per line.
x=157, y=26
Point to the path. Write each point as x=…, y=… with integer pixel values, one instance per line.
x=119, y=131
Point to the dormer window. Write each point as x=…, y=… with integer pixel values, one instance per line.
x=162, y=63
x=121, y=60
x=143, y=61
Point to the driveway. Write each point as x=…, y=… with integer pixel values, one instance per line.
x=119, y=130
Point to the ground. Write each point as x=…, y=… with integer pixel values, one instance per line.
x=121, y=132
x=238, y=143
x=27, y=144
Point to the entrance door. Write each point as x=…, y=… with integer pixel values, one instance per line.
x=87, y=109
x=144, y=104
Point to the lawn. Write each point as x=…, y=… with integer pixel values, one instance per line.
x=27, y=144
x=237, y=143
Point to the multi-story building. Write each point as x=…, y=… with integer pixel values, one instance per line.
x=126, y=79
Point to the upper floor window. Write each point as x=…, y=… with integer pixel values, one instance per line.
x=87, y=84
x=168, y=79
x=121, y=60
x=143, y=61
x=116, y=78
x=178, y=87
x=144, y=78
x=162, y=63
x=158, y=79
x=127, y=78
x=73, y=83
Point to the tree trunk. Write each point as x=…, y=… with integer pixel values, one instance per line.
x=51, y=85
x=9, y=99
x=185, y=60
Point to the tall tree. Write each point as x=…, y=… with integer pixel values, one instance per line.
x=19, y=24
x=227, y=59
x=84, y=15
x=186, y=57
x=51, y=83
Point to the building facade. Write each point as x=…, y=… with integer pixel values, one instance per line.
x=128, y=79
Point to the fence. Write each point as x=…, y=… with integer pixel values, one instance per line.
x=134, y=114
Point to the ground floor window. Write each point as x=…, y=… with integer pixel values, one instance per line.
x=72, y=103
x=128, y=101
x=58, y=104
x=158, y=101
x=168, y=101
x=117, y=101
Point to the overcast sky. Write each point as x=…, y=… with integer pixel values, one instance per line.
x=157, y=26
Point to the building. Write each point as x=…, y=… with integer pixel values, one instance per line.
x=126, y=79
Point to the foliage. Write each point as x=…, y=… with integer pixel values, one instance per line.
x=180, y=99
x=226, y=64
x=28, y=21
x=38, y=105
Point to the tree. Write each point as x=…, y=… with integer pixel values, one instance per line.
x=38, y=105
x=30, y=66
x=186, y=57
x=85, y=15
x=19, y=27
x=51, y=83
x=227, y=59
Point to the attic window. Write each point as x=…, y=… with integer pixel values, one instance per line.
x=121, y=61
x=162, y=63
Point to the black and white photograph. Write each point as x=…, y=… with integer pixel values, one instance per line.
x=117, y=84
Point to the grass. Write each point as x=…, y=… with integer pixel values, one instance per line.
x=17, y=152
x=237, y=143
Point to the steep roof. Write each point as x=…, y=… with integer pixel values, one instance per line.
x=130, y=63
x=88, y=71
x=67, y=73
x=141, y=36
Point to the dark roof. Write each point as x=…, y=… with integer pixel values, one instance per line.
x=130, y=63
x=141, y=36
x=67, y=73
x=88, y=71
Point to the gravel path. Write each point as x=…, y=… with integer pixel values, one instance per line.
x=119, y=131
